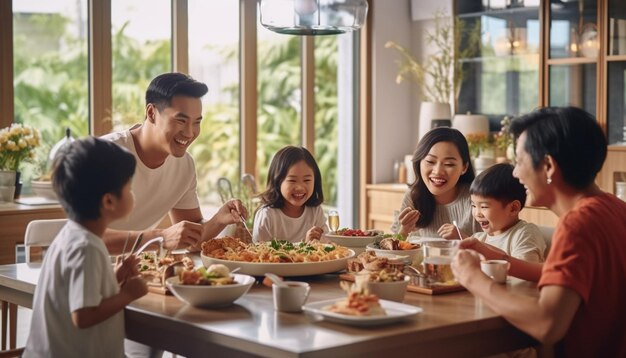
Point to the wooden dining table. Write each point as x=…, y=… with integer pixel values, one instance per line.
x=450, y=325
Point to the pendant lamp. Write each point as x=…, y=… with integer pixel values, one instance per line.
x=313, y=17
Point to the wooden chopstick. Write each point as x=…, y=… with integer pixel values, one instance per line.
x=137, y=242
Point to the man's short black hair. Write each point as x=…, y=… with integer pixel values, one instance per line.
x=497, y=182
x=165, y=86
x=87, y=169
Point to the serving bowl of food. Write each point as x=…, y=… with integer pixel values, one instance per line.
x=354, y=237
x=211, y=287
x=279, y=257
x=390, y=247
x=387, y=284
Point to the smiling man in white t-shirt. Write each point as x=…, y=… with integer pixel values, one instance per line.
x=165, y=179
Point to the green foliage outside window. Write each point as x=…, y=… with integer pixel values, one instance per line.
x=51, y=93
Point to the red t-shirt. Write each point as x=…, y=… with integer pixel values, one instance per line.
x=588, y=255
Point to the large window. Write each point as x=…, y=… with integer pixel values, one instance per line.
x=214, y=60
x=141, y=50
x=279, y=112
x=204, y=38
x=50, y=73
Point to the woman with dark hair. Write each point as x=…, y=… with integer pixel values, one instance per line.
x=582, y=283
x=440, y=193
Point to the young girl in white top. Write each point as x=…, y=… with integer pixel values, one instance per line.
x=440, y=193
x=291, y=207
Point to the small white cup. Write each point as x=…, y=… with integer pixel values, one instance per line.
x=290, y=296
x=496, y=269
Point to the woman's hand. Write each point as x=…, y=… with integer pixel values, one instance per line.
x=408, y=218
x=465, y=266
x=314, y=233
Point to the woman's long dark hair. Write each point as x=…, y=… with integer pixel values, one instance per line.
x=423, y=199
x=282, y=161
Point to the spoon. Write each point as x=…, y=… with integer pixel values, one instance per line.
x=275, y=279
x=235, y=269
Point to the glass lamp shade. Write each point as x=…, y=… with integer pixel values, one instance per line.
x=313, y=17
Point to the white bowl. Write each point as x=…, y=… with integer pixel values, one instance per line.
x=210, y=296
x=353, y=241
x=43, y=189
x=414, y=256
x=392, y=291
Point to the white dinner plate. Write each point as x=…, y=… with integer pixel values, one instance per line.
x=282, y=269
x=395, y=312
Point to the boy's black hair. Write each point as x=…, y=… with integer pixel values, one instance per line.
x=86, y=170
x=282, y=161
x=497, y=182
x=165, y=86
x=423, y=199
x=570, y=135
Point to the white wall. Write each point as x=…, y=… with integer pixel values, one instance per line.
x=395, y=106
x=393, y=114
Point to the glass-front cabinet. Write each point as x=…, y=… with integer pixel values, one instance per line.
x=616, y=72
x=546, y=53
x=536, y=53
x=501, y=77
x=573, y=54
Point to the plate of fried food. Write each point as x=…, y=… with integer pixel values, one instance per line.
x=155, y=270
x=360, y=308
x=394, y=247
x=279, y=257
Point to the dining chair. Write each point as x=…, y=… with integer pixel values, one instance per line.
x=11, y=353
x=39, y=233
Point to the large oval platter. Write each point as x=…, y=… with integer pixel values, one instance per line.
x=282, y=269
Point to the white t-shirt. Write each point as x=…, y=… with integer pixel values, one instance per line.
x=76, y=273
x=460, y=210
x=522, y=240
x=272, y=223
x=157, y=191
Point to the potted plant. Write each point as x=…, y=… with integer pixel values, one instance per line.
x=440, y=75
x=504, y=142
x=17, y=144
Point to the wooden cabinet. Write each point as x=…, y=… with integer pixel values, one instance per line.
x=382, y=200
x=13, y=221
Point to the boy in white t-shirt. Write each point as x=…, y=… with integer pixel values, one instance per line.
x=497, y=199
x=79, y=300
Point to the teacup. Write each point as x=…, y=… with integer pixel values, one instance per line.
x=290, y=296
x=496, y=269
